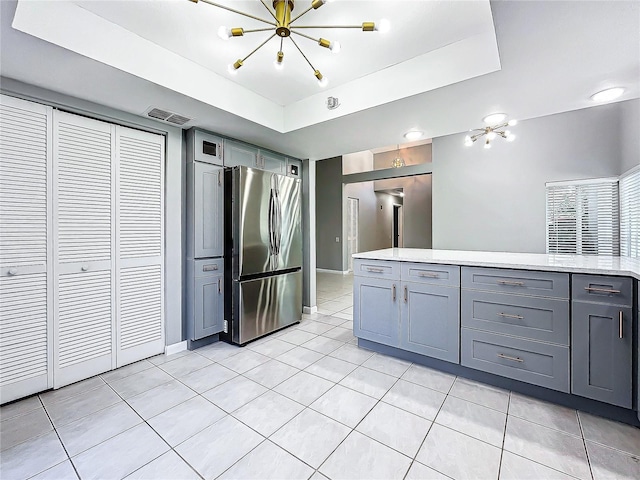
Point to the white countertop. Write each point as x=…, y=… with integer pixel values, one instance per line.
x=596, y=264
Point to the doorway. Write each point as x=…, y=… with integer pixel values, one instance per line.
x=353, y=206
x=396, y=227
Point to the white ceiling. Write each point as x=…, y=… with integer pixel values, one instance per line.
x=552, y=55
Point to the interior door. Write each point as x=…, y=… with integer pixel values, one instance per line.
x=25, y=156
x=84, y=233
x=352, y=230
x=140, y=227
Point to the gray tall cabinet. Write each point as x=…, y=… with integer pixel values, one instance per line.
x=204, y=285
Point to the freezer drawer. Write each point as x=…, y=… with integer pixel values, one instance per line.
x=265, y=305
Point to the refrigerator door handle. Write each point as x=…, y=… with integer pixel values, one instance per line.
x=271, y=223
x=278, y=225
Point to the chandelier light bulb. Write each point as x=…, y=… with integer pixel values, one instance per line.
x=467, y=141
x=231, y=69
x=335, y=47
x=487, y=144
x=278, y=65
x=323, y=82
x=511, y=137
x=383, y=25
x=224, y=33
x=513, y=123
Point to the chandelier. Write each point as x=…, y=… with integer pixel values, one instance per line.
x=282, y=27
x=398, y=162
x=491, y=132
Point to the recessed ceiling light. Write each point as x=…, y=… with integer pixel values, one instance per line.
x=607, y=95
x=494, y=118
x=413, y=135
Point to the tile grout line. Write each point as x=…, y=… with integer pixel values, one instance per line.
x=504, y=436
x=584, y=443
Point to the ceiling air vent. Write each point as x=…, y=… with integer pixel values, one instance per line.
x=167, y=116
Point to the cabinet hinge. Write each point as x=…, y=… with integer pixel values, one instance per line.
x=226, y=326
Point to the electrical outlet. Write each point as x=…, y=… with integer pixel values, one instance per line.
x=337, y=239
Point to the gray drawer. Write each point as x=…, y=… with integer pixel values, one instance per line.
x=376, y=269
x=543, y=319
x=209, y=268
x=521, y=282
x=537, y=363
x=602, y=289
x=431, y=273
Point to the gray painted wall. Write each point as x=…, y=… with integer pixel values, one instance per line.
x=629, y=134
x=495, y=199
x=417, y=208
x=329, y=214
x=174, y=225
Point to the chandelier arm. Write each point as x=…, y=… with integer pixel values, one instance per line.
x=303, y=55
x=326, y=26
x=259, y=47
x=296, y=18
x=268, y=29
x=317, y=40
x=268, y=10
x=238, y=12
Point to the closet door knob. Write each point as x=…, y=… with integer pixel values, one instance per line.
x=84, y=268
x=13, y=271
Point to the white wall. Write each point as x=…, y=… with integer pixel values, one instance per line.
x=495, y=199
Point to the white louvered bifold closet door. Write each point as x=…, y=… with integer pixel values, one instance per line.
x=84, y=232
x=25, y=156
x=140, y=246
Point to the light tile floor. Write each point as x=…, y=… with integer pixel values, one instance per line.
x=303, y=403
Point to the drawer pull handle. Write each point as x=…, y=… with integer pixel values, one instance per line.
x=375, y=270
x=508, y=282
x=507, y=357
x=620, y=325
x=219, y=291
x=406, y=294
x=394, y=292
x=601, y=290
x=429, y=275
x=508, y=315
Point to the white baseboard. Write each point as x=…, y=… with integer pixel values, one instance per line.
x=337, y=272
x=310, y=310
x=175, y=348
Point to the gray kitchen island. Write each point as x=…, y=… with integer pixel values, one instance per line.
x=563, y=328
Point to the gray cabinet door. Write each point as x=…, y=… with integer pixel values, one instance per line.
x=272, y=162
x=236, y=153
x=601, y=354
x=376, y=311
x=209, y=306
x=208, y=211
x=430, y=321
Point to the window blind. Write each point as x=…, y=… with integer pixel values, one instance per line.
x=583, y=217
x=630, y=213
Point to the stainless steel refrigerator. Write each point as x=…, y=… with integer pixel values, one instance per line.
x=263, y=253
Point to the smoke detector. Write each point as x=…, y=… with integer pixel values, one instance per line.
x=332, y=103
x=167, y=116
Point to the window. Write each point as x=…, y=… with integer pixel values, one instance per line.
x=630, y=213
x=583, y=217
